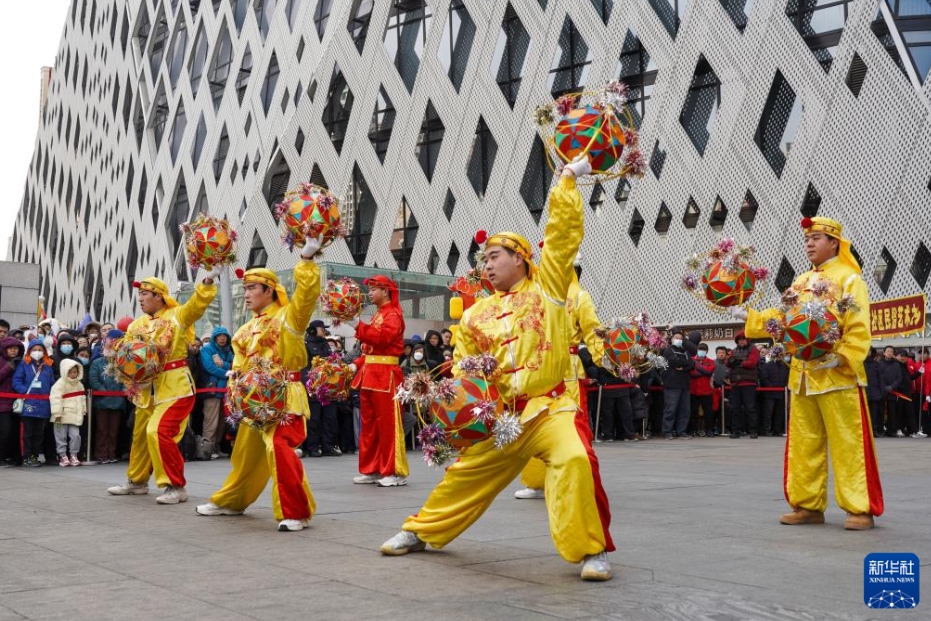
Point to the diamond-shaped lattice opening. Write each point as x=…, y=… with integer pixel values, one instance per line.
x=856, y=75
x=701, y=105
x=571, y=61
x=404, y=234
x=359, y=19
x=473, y=250
x=670, y=13
x=406, y=37
x=856, y=256
x=622, y=193
x=270, y=83
x=812, y=202
x=718, y=214
x=458, y=35
x=537, y=179
x=692, y=213
x=433, y=261
x=452, y=261
x=364, y=208
x=338, y=109
x=276, y=182
x=382, y=124
x=449, y=204
x=299, y=141
x=159, y=115
x=430, y=140
x=510, y=54
x=737, y=11
x=221, y=66
x=258, y=256
x=322, y=16
x=245, y=72
x=177, y=132
x=784, y=276
x=638, y=71
x=657, y=160
x=198, y=59
x=603, y=8
x=663, y=219
x=177, y=215
x=199, y=138
x=597, y=199
x=482, y=159
x=748, y=210
x=779, y=123
x=884, y=270
x=821, y=25
x=635, y=230
x=921, y=265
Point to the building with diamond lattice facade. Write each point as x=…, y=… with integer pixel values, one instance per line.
x=753, y=113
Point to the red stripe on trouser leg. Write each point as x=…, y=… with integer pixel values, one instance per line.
x=378, y=433
x=164, y=430
x=291, y=489
x=785, y=465
x=873, y=486
x=601, y=498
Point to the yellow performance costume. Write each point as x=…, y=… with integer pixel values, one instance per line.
x=583, y=319
x=162, y=409
x=276, y=334
x=829, y=404
x=527, y=330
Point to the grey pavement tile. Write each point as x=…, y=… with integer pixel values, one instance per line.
x=8, y=615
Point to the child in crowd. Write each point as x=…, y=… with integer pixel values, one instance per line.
x=68, y=408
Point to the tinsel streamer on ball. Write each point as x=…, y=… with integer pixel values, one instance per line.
x=631, y=346
x=135, y=363
x=342, y=299
x=257, y=396
x=312, y=211
x=469, y=417
x=329, y=379
x=209, y=242
x=807, y=326
x=725, y=276
x=597, y=124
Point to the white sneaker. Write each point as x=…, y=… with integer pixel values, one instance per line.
x=391, y=481
x=214, y=456
x=402, y=543
x=899, y=434
x=366, y=478
x=298, y=452
x=529, y=493
x=292, y=525
x=172, y=496
x=128, y=489
x=214, y=509
x=596, y=568
x=919, y=434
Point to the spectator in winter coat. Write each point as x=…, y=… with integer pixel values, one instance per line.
x=34, y=377
x=700, y=388
x=874, y=390
x=11, y=354
x=433, y=347
x=65, y=349
x=923, y=385
x=892, y=375
x=773, y=374
x=417, y=362
x=615, y=406
x=676, y=385
x=907, y=417
x=107, y=409
x=216, y=360
x=744, y=364
x=68, y=405
x=322, y=426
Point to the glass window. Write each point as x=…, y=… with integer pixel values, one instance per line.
x=738, y=11
x=636, y=69
x=635, y=230
x=220, y=69
x=293, y=8
x=779, y=123
x=177, y=215
x=718, y=215
x=364, y=209
x=885, y=270
x=812, y=202
x=382, y=124
x=264, y=10
x=701, y=105
x=271, y=81
x=245, y=71
x=821, y=24
x=510, y=54
x=178, y=49
x=159, y=115
x=458, y=35
x=198, y=59
x=404, y=235
x=784, y=276
x=692, y=213
x=219, y=158
x=670, y=13
x=406, y=36
x=571, y=62
x=921, y=265
x=199, y=138
x=429, y=140
x=482, y=159
x=663, y=219
x=538, y=176
x=748, y=210
x=258, y=256
x=359, y=19
x=912, y=19
x=177, y=132
x=603, y=8
x=338, y=109
x=159, y=40
x=657, y=160
x=322, y=16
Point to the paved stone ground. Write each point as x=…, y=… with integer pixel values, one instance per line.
x=695, y=523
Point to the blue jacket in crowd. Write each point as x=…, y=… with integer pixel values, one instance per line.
x=29, y=371
x=100, y=380
x=214, y=374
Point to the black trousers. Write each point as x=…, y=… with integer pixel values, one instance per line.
x=321, y=427
x=34, y=435
x=773, y=415
x=616, y=410
x=876, y=415
x=347, y=438
x=743, y=409
x=9, y=437
x=705, y=404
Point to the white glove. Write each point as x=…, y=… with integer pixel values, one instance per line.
x=311, y=247
x=354, y=322
x=579, y=166
x=830, y=361
x=353, y=367
x=213, y=273
x=231, y=374
x=921, y=370
x=738, y=312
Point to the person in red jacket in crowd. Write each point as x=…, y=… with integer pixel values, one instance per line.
x=382, y=454
x=744, y=363
x=700, y=389
x=923, y=384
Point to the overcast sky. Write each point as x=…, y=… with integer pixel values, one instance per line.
x=29, y=36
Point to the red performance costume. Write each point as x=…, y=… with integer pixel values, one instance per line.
x=382, y=455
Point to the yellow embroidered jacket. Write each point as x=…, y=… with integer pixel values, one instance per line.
x=854, y=325
x=168, y=329
x=527, y=328
x=277, y=334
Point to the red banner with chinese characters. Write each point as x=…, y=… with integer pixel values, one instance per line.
x=898, y=316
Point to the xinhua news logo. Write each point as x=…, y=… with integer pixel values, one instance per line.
x=891, y=580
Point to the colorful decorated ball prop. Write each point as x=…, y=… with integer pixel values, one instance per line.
x=807, y=337
x=329, y=379
x=209, y=242
x=724, y=286
x=342, y=299
x=259, y=396
x=135, y=361
x=310, y=211
x=588, y=128
x=457, y=417
x=619, y=342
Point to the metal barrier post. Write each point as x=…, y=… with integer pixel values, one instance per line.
x=598, y=413
x=90, y=426
x=723, y=414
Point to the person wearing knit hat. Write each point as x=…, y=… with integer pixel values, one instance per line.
x=107, y=409
x=163, y=407
x=382, y=454
x=274, y=334
x=828, y=398
x=525, y=326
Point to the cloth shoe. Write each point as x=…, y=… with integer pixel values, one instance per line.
x=172, y=496
x=529, y=493
x=64, y=461
x=298, y=452
x=391, y=481
x=899, y=434
x=292, y=525
x=861, y=521
x=802, y=516
x=366, y=478
x=214, y=509
x=402, y=543
x=128, y=489
x=596, y=568
x=75, y=461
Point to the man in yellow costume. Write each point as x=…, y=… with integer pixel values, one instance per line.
x=829, y=404
x=275, y=334
x=162, y=408
x=526, y=327
x=583, y=319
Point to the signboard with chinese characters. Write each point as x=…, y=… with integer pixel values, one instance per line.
x=898, y=316
x=714, y=333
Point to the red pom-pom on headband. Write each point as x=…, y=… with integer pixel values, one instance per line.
x=540, y=245
x=807, y=223
x=240, y=273
x=366, y=282
x=136, y=284
x=481, y=237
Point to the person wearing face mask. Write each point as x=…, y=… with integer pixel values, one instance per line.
x=676, y=388
x=65, y=349
x=700, y=389
x=11, y=355
x=417, y=362
x=34, y=377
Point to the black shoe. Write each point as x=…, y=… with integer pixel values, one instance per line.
x=332, y=452
x=753, y=436
x=735, y=436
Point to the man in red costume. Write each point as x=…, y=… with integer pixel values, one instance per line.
x=382, y=456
